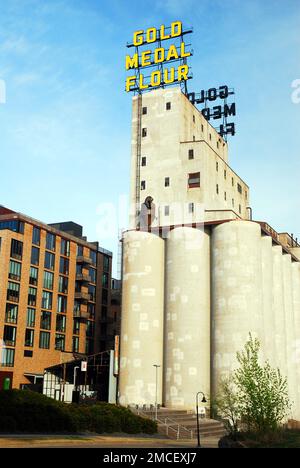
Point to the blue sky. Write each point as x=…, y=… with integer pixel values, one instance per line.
x=65, y=127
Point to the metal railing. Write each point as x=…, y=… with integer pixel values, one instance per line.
x=168, y=422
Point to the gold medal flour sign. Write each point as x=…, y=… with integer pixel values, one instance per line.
x=159, y=58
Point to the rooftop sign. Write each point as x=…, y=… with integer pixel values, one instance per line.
x=165, y=61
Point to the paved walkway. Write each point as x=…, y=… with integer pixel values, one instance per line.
x=94, y=441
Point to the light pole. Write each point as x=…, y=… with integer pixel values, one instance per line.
x=74, y=375
x=197, y=410
x=156, y=383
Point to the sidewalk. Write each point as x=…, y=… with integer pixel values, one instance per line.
x=94, y=441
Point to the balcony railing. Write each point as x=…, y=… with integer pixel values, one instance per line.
x=83, y=277
x=84, y=259
x=82, y=296
x=81, y=314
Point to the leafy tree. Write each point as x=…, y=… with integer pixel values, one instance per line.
x=254, y=395
x=262, y=390
x=227, y=406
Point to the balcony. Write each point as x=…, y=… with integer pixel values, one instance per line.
x=84, y=277
x=81, y=314
x=82, y=296
x=85, y=260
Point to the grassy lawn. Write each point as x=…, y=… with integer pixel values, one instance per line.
x=285, y=439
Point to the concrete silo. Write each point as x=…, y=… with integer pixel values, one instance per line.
x=267, y=291
x=142, y=318
x=237, y=303
x=296, y=348
x=187, y=321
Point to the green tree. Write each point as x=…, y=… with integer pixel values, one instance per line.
x=227, y=406
x=262, y=391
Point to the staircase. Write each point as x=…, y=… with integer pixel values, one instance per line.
x=182, y=424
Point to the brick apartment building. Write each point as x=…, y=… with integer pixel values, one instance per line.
x=55, y=297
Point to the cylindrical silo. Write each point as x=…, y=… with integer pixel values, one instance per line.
x=279, y=310
x=237, y=304
x=289, y=330
x=267, y=292
x=142, y=319
x=296, y=349
x=187, y=321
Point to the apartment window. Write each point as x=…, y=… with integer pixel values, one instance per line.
x=232, y=181
x=105, y=263
x=7, y=357
x=49, y=261
x=45, y=320
x=239, y=188
x=92, y=273
x=143, y=185
x=144, y=161
x=44, y=340
x=28, y=353
x=62, y=304
x=225, y=174
x=50, y=241
x=79, y=250
x=194, y=180
x=16, y=249
x=217, y=144
x=246, y=194
x=33, y=276
x=31, y=296
x=202, y=128
x=47, y=300
x=60, y=323
x=30, y=317
x=35, y=256
x=36, y=236
x=104, y=296
x=225, y=196
x=14, y=270
x=105, y=280
x=217, y=166
x=9, y=335
x=64, y=266
x=75, y=344
x=76, y=327
x=15, y=226
x=89, y=346
x=145, y=110
x=210, y=136
x=13, y=292
x=104, y=312
x=91, y=311
x=76, y=307
x=144, y=132
x=92, y=292
x=217, y=189
x=11, y=313
x=48, y=280
x=167, y=210
x=167, y=181
x=168, y=106
x=240, y=209
x=60, y=342
x=191, y=154
x=194, y=138
x=29, y=337
x=191, y=207
x=93, y=257
x=65, y=247
x=194, y=119
x=90, y=329
x=63, y=284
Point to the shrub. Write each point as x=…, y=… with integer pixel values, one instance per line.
x=26, y=411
